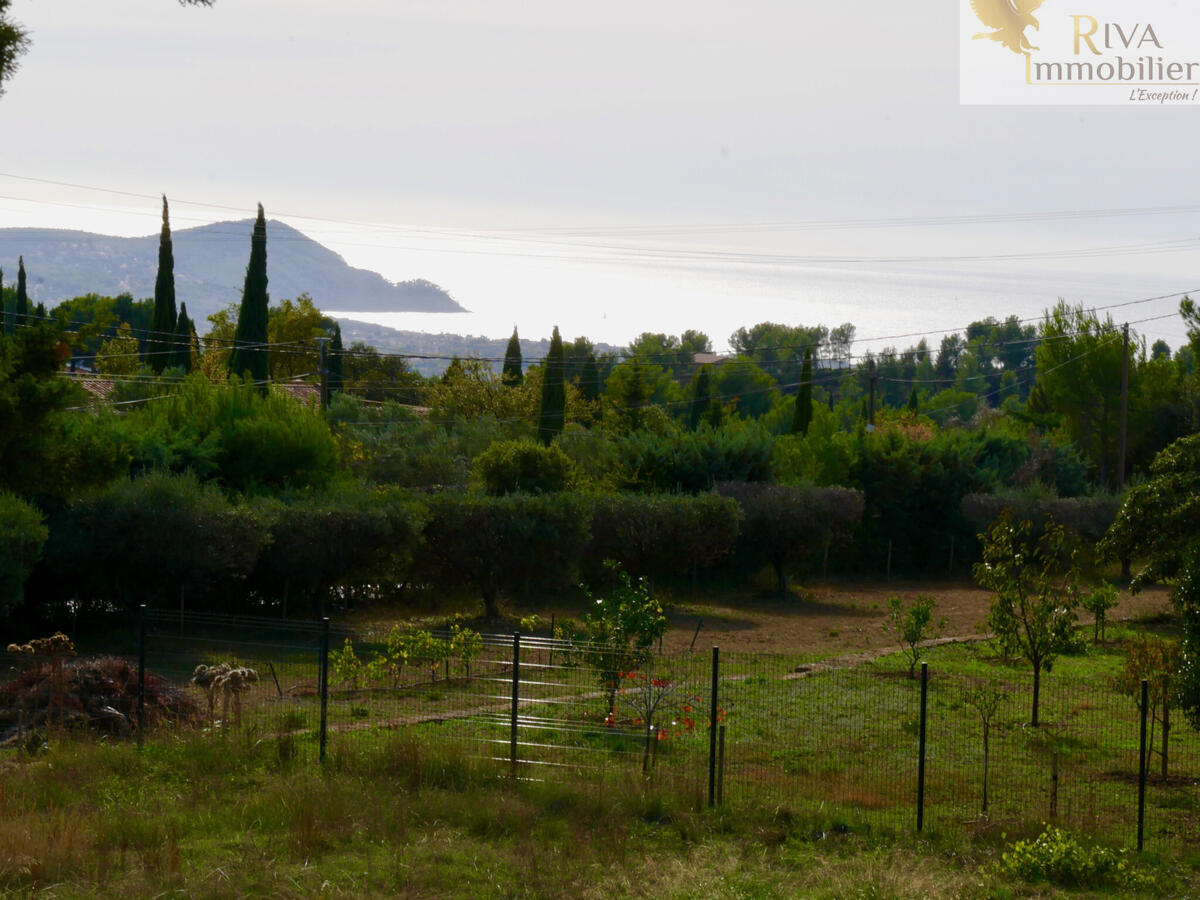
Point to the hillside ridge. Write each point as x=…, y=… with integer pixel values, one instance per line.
x=210, y=267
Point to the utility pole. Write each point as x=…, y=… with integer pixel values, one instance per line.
x=1124, y=411
x=871, y=401
x=323, y=343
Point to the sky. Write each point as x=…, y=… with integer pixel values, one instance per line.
x=613, y=169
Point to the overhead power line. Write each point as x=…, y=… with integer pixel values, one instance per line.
x=172, y=340
x=553, y=237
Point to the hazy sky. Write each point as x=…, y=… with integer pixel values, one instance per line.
x=421, y=138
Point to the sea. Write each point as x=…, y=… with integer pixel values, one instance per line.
x=613, y=297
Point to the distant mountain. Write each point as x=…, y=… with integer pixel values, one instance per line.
x=431, y=353
x=210, y=268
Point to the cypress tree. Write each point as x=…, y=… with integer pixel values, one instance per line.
x=8, y=329
x=914, y=404
x=181, y=358
x=701, y=397
x=804, y=404
x=164, y=351
x=21, y=310
x=250, y=354
x=552, y=414
x=337, y=362
x=512, y=374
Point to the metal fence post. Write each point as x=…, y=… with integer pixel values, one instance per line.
x=921, y=751
x=1142, y=761
x=516, y=690
x=141, y=697
x=721, y=766
x=323, y=683
x=712, y=729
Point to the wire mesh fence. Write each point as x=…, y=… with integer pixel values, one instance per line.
x=868, y=743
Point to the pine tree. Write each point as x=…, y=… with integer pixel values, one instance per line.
x=181, y=358
x=250, y=355
x=914, y=404
x=513, y=373
x=804, y=404
x=4, y=316
x=337, y=362
x=163, y=351
x=589, y=379
x=701, y=397
x=21, y=310
x=552, y=415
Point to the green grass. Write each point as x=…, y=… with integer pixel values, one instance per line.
x=223, y=816
x=844, y=740
x=850, y=737
x=820, y=775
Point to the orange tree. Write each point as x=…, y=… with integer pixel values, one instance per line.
x=617, y=633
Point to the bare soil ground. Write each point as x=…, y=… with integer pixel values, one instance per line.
x=835, y=619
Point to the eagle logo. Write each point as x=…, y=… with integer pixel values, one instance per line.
x=1010, y=18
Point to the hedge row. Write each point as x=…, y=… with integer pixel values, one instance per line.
x=169, y=539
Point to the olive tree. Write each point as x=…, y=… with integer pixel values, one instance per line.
x=494, y=545
x=784, y=523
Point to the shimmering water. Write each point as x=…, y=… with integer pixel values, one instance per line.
x=612, y=299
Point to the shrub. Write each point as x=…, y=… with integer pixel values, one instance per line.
x=692, y=462
x=347, y=667
x=391, y=446
x=1058, y=857
x=511, y=466
x=914, y=484
x=1098, y=602
x=913, y=625
x=234, y=434
x=22, y=536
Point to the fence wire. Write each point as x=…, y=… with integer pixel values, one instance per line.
x=846, y=742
